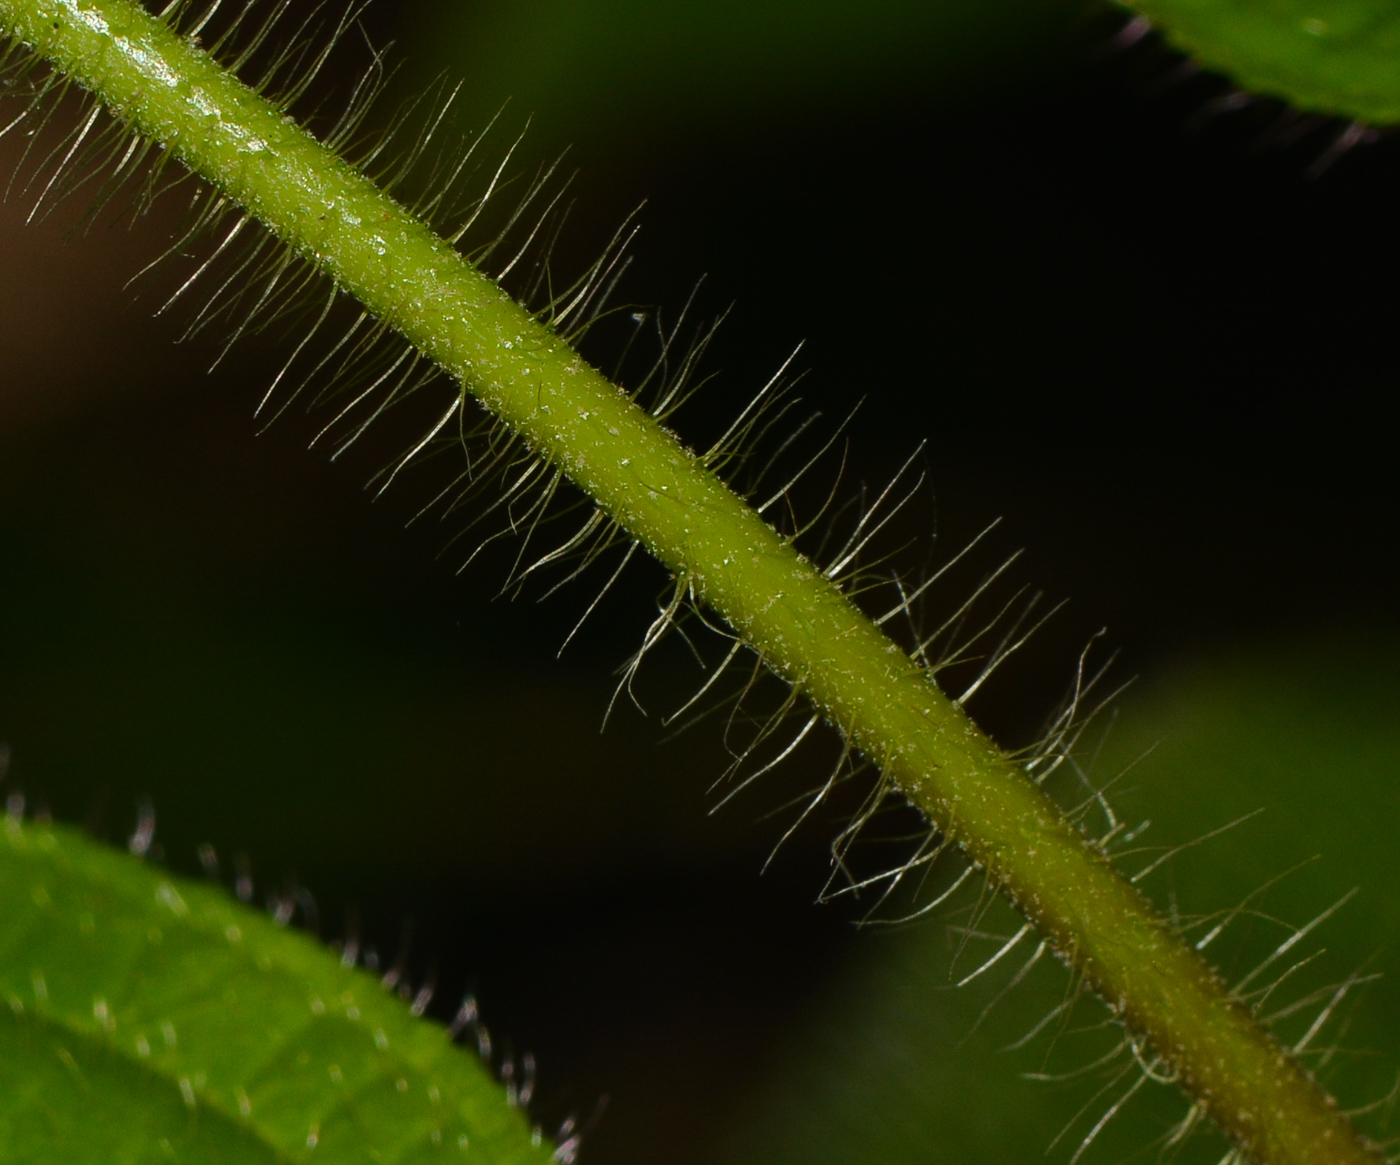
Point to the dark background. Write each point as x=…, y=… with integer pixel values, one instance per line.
x=1140, y=332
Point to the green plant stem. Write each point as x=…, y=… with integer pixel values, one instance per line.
x=800, y=623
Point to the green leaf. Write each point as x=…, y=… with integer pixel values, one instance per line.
x=144, y=1017
x=1334, y=57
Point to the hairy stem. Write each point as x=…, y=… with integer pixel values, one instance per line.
x=717, y=546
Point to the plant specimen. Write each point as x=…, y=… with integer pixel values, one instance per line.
x=557, y=420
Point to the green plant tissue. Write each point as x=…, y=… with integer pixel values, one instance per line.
x=888, y=1068
x=1333, y=57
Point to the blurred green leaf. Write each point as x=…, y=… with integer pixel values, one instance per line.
x=1335, y=57
x=149, y=1018
x=627, y=69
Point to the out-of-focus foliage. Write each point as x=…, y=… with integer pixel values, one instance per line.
x=623, y=70
x=1335, y=57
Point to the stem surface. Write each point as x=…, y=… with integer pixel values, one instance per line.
x=787, y=610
